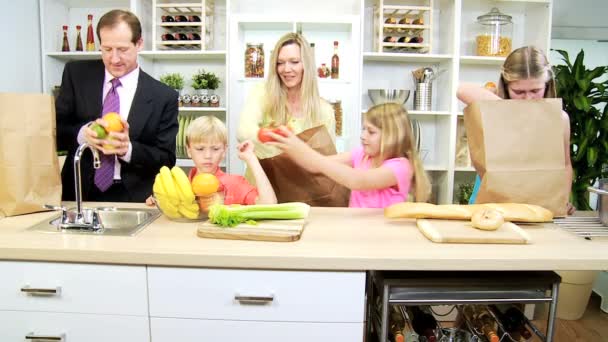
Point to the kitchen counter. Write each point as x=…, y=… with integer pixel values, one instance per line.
x=334, y=239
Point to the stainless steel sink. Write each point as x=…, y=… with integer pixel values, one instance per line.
x=114, y=221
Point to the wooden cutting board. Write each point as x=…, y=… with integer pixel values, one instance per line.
x=453, y=231
x=270, y=230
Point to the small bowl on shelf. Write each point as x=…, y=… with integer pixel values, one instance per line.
x=201, y=203
x=379, y=96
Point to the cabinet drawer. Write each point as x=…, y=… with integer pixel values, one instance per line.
x=16, y=325
x=196, y=330
x=295, y=296
x=81, y=288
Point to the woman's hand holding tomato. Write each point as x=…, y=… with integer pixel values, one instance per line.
x=264, y=136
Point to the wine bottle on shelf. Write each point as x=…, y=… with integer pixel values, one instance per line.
x=167, y=36
x=506, y=323
x=424, y=323
x=167, y=19
x=180, y=36
x=79, y=46
x=181, y=18
x=194, y=19
x=519, y=320
x=193, y=36
x=408, y=332
x=90, y=34
x=396, y=324
x=488, y=324
x=335, y=62
x=65, y=46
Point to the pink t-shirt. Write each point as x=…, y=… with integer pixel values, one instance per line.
x=381, y=198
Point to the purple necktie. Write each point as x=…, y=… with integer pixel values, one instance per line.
x=104, y=176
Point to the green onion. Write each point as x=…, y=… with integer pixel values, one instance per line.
x=231, y=215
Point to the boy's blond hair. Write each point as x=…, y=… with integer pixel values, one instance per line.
x=206, y=129
x=397, y=141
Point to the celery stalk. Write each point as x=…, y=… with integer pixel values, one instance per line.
x=231, y=215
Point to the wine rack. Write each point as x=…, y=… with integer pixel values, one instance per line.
x=481, y=289
x=183, y=26
x=403, y=28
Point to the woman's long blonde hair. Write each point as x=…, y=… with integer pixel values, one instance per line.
x=397, y=141
x=525, y=63
x=275, y=108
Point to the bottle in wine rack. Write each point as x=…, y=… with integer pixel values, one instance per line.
x=181, y=18
x=180, y=36
x=194, y=19
x=519, y=320
x=167, y=36
x=423, y=323
x=167, y=19
x=193, y=36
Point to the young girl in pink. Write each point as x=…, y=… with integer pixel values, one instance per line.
x=379, y=172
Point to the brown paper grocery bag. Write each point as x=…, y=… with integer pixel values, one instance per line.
x=517, y=148
x=29, y=169
x=292, y=183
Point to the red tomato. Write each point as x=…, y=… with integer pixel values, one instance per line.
x=279, y=132
x=263, y=136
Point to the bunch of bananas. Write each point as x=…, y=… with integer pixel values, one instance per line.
x=174, y=194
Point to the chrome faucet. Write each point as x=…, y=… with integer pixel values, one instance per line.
x=77, y=178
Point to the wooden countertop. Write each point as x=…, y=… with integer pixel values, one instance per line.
x=334, y=239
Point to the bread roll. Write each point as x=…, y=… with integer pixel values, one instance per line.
x=514, y=212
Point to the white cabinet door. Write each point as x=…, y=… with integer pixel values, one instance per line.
x=80, y=288
x=195, y=330
x=288, y=296
x=15, y=326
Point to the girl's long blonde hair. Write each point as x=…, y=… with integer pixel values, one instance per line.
x=397, y=141
x=525, y=63
x=275, y=108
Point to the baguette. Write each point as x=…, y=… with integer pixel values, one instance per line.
x=514, y=212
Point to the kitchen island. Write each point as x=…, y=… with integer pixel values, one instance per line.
x=167, y=284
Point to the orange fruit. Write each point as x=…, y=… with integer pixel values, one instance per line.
x=114, y=122
x=205, y=184
x=490, y=85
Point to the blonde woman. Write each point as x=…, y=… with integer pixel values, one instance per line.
x=381, y=171
x=290, y=97
x=526, y=74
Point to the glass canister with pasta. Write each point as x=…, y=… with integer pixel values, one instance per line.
x=494, y=36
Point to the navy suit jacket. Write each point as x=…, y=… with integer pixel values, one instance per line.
x=152, y=122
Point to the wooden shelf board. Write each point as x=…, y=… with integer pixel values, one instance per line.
x=184, y=54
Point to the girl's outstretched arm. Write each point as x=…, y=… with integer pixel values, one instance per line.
x=334, y=168
x=469, y=93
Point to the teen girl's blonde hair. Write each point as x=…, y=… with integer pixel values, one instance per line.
x=206, y=129
x=525, y=63
x=397, y=140
x=275, y=108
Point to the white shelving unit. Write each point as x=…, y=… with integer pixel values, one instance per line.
x=362, y=67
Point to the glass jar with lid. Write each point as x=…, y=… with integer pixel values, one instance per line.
x=254, y=60
x=494, y=34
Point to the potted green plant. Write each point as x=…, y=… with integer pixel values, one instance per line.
x=464, y=192
x=584, y=99
x=205, y=81
x=174, y=81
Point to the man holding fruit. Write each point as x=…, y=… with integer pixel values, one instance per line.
x=121, y=111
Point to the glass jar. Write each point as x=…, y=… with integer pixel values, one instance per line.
x=494, y=36
x=337, y=106
x=254, y=60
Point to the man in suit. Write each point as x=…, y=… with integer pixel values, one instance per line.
x=148, y=110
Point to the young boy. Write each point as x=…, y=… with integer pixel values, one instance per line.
x=206, y=143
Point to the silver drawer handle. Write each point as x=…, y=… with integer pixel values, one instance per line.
x=258, y=300
x=44, y=338
x=34, y=291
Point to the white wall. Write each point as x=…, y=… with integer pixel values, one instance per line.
x=20, y=62
x=596, y=53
